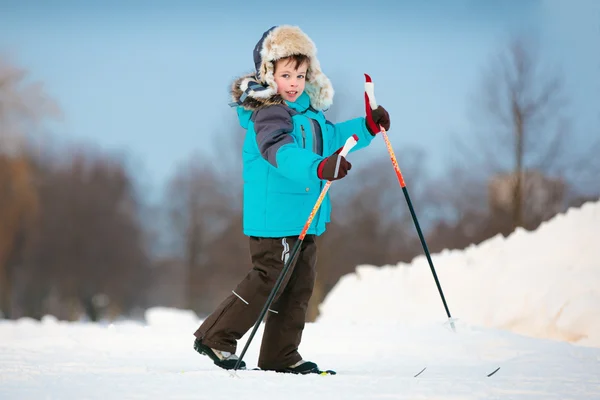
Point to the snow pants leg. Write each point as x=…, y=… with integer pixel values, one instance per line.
x=285, y=318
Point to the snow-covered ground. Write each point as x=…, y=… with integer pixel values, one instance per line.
x=529, y=304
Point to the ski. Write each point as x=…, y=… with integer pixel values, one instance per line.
x=488, y=375
x=318, y=372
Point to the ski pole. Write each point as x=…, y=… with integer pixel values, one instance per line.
x=371, y=104
x=350, y=143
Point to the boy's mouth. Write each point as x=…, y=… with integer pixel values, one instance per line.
x=292, y=92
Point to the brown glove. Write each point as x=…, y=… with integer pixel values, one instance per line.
x=333, y=167
x=379, y=116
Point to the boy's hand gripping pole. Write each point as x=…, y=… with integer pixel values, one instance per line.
x=350, y=143
x=371, y=104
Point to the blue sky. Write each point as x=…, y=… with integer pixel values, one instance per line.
x=151, y=78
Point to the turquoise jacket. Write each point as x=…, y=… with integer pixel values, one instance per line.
x=283, y=147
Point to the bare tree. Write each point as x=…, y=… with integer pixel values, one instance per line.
x=18, y=208
x=198, y=205
x=229, y=262
x=22, y=107
x=89, y=246
x=514, y=169
x=202, y=204
x=520, y=123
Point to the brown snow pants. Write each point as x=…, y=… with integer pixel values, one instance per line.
x=286, y=316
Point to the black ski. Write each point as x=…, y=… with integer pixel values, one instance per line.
x=317, y=372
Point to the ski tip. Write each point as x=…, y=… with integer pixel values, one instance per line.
x=420, y=372
x=368, y=78
x=327, y=372
x=493, y=372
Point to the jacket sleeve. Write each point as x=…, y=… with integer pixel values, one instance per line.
x=343, y=130
x=273, y=127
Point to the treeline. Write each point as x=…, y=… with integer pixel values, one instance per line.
x=79, y=239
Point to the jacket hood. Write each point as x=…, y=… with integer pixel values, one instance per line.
x=248, y=92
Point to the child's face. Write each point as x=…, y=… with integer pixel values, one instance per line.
x=289, y=79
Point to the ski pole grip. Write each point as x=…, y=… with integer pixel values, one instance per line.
x=370, y=90
x=350, y=143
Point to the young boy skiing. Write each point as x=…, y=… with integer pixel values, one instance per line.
x=289, y=153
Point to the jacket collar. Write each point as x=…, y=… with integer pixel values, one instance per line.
x=301, y=104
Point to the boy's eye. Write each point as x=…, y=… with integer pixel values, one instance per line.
x=301, y=76
x=285, y=76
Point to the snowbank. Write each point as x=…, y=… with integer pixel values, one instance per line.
x=544, y=284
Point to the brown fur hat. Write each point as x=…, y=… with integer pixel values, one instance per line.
x=258, y=89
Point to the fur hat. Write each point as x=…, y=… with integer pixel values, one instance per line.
x=279, y=42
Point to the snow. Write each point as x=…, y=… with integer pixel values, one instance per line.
x=545, y=284
x=528, y=303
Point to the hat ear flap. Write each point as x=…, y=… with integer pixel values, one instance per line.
x=319, y=87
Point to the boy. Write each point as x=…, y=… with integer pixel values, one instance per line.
x=289, y=153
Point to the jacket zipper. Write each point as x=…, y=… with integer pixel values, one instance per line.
x=303, y=136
